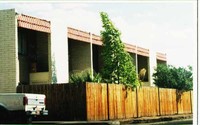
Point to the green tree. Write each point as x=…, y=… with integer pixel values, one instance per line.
x=167, y=76
x=117, y=63
x=54, y=76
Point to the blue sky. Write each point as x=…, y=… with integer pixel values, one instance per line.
x=167, y=27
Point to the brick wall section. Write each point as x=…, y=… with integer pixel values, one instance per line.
x=8, y=57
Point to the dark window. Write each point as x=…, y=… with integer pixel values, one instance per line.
x=22, y=42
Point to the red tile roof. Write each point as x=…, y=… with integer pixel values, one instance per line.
x=85, y=37
x=161, y=56
x=33, y=23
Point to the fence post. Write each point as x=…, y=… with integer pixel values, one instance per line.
x=191, y=101
x=159, y=101
x=177, y=100
x=108, y=102
x=137, y=102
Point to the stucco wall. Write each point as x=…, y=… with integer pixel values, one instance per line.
x=8, y=50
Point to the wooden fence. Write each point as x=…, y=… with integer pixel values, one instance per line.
x=64, y=101
x=93, y=101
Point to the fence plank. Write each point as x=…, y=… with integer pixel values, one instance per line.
x=111, y=101
x=116, y=101
x=104, y=102
x=96, y=98
x=148, y=104
x=191, y=97
x=168, y=104
x=90, y=102
x=119, y=101
x=130, y=104
x=184, y=103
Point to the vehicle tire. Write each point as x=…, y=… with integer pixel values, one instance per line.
x=24, y=119
x=4, y=115
x=28, y=119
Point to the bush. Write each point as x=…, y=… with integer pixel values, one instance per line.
x=85, y=76
x=167, y=76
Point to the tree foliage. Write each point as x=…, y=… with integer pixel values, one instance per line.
x=54, y=76
x=167, y=76
x=117, y=63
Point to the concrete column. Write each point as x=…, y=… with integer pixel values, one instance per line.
x=152, y=65
x=60, y=49
x=91, y=54
x=136, y=61
x=8, y=51
x=16, y=52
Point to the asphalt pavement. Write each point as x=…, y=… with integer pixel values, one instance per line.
x=185, y=119
x=78, y=122
x=173, y=122
x=168, y=118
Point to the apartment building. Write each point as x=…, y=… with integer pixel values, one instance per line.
x=26, y=52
